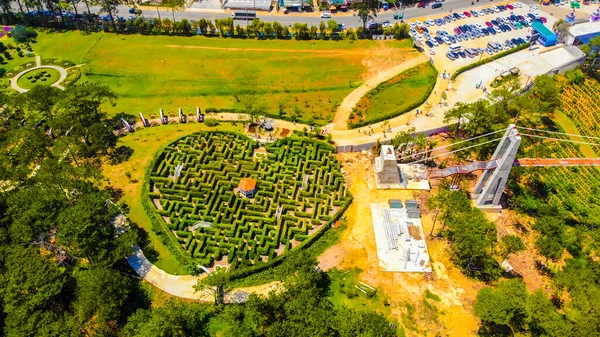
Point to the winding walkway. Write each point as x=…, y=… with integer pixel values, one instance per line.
x=183, y=285
x=38, y=62
x=345, y=109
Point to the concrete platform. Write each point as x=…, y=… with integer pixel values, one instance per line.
x=411, y=254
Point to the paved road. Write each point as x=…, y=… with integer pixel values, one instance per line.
x=312, y=18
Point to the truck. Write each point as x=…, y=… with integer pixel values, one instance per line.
x=243, y=15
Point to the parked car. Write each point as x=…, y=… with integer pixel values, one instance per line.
x=450, y=56
x=325, y=15
x=429, y=44
x=436, y=5
x=461, y=54
x=135, y=11
x=489, y=51
x=509, y=6
x=421, y=4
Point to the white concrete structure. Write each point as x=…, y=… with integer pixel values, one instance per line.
x=400, y=240
x=491, y=185
x=582, y=33
x=390, y=175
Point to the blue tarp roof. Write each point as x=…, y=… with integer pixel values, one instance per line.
x=540, y=28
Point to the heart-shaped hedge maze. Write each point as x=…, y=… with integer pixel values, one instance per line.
x=299, y=190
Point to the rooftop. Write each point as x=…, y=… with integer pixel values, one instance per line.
x=247, y=184
x=585, y=28
x=541, y=28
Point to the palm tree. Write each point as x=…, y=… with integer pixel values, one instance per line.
x=561, y=27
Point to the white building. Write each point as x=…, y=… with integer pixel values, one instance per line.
x=582, y=33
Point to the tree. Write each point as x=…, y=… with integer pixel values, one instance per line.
x=332, y=26
x=175, y=319
x=510, y=244
x=34, y=292
x=459, y=112
x=366, y=10
x=109, y=7
x=85, y=229
x=546, y=93
x=216, y=284
x=175, y=5
x=100, y=298
x=23, y=34
x=278, y=28
x=504, y=305
x=550, y=243
x=561, y=28
x=322, y=28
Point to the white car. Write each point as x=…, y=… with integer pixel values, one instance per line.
x=478, y=25
x=462, y=15
x=429, y=22
x=325, y=15
x=517, y=5
x=431, y=52
x=412, y=25
x=434, y=42
x=418, y=23
x=534, y=7
x=418, y=37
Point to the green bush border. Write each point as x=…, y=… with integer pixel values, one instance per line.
x=73, y=75
x=170, y=241
x=488, y=60
x=398, y=112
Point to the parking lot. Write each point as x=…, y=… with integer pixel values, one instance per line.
x=456, y=25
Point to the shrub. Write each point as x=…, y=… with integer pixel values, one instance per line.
x=23, y=34
x=211, y=122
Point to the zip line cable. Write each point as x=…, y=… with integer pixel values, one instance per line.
x=451, y=152
x=560, y=139
x=560, y=133
x=445, y=146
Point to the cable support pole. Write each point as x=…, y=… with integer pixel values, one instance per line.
x=451, y=152
x=560, y=133
x=445, y=146
x=560, y=139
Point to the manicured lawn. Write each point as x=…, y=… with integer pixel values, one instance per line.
x=306, y=78
x=44, y=76
x=146, y=143
x=398, y=95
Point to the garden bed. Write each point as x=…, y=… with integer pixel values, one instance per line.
x=392, y=98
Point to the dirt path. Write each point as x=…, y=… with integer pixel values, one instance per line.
x=183, y=285
x=343, y=113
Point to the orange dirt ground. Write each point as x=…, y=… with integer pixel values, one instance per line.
x=357, y=249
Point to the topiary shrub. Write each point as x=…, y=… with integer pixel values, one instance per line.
x=211, y=122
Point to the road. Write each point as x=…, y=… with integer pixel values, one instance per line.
x=311, y=18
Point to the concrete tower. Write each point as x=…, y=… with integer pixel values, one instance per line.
x=491, y=184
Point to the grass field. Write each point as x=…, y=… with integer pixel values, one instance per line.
x=146, y=143
x=396, y=96
x=283, y=78
x=38, y=77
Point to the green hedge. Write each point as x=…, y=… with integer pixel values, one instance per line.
x=182, y=253
x=394, y=113
x=489, y=59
